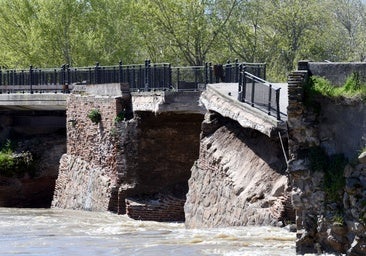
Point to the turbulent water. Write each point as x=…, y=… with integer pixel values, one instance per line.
x=66, y=232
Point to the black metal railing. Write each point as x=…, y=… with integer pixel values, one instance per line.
x=139, y=76
x=259, y=93
x=147, y=76
x=190, y=78
x=253, y=89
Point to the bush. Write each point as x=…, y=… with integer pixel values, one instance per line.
x=95, y=116
x=13, y=164
x=7, y=163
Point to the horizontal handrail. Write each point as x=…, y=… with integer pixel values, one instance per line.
x=259, y=93
x=253, y=88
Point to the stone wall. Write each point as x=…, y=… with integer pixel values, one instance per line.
x=89, y=168
x=327, y=193
x=113, y=162
x=239, y=178
x=167, y=145
x=160, y=207
x=336, y=72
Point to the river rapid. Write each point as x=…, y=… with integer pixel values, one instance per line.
x=66, y=232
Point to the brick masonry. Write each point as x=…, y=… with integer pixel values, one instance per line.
x=88, y=171
x=239, y=178
x=146, y=154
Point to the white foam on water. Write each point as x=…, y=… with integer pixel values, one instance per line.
x=66, y=232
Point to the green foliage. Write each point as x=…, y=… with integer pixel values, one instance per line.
x=334, y=180
x=338, y=218
x=351, y=89
x=49, y=33
x=7, y=163
x=12, y=164
x=95, y=116
x=120, y=117
x=333, y=168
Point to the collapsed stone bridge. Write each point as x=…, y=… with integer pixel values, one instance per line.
x=138, y=159
x=211, y=160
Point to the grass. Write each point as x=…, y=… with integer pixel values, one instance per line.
x=333, y=168
x=352, y=89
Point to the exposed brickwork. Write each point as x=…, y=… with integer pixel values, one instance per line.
x=160, y=208
x=239, y=178
x=90, y=165
x=145, y=154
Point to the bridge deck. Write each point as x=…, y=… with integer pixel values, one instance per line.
x=36, y=101
x=222, y=98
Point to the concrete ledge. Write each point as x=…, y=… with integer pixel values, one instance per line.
x=247, y=116
x=115, y=89
x=166, y=101
x=27, y=101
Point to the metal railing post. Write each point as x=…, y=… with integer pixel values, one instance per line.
x=63, y=75
x=31, y=79
x=240, y=84
x=210, y=72
x=68, y=80
x=96, y=73
x=178, y=78
x=54, y=81
x=244, y=92
x=206, y=73
x=120, y=76
x=196, y=70
x=253, y=92
x=7, y=82
x=147, y=74
x=278, y=104
x=170, y=75
x=269, y=98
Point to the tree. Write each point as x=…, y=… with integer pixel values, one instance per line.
x=245, y=32
x=350, y=22
x=191, y=28
x=17, y=36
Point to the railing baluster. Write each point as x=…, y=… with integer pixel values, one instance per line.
x=120, y=76
x=253, y=92
x=269, y=98
x=278, y=104
x=31, y=79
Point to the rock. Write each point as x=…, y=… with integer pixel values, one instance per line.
x=352, y=185
x=291, y=227
x=358, y=247
x=362, y=158
x=348, y=171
